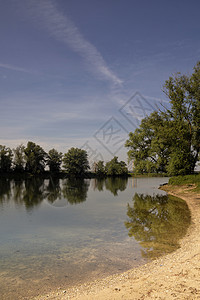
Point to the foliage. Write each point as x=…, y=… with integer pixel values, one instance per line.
x=5, y=159
x=35, y=158
x=149, y=145
x=114, y=167
x=99, y=168
x=54, y=160
x=169, y=140
x=75, y=162
x=19, y=158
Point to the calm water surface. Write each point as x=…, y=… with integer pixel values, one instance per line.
x=56, y=233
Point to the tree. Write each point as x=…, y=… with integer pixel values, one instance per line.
x=5, y=159
x=75, y=162
x=169, y=140
x=99, y=168
x=35, y=158
x=54, y=160
x=150, y=144
x=114, y=167
x=19, y=158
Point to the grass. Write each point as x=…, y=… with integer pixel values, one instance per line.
x=187, y=180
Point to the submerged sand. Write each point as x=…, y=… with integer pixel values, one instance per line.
x=174, y=276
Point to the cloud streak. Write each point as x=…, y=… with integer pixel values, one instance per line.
x=63, y=29
x=13, y=68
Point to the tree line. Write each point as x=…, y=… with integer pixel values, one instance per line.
x=168, y=140
x=32, y=159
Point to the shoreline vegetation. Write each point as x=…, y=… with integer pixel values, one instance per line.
x=172, y=276
x=32, y=160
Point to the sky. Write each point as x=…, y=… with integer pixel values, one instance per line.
x=84, y=73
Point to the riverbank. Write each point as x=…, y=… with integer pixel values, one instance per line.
x=174, y=276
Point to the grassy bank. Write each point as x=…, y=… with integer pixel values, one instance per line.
x=189, y=180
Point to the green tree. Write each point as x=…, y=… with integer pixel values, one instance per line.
x=35, y=158
x=99, y=168
x=75, y=162
x=5, y=159
x=19, y=158
x=116, y=168
x=150, y=144
x=54, y=160
x=169, y=140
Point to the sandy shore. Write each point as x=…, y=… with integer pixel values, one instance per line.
x=174, y=276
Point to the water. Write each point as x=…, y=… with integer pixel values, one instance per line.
x=57, y=233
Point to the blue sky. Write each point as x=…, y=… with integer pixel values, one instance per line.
x=84, y=73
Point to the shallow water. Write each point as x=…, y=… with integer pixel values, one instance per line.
x=56, y=233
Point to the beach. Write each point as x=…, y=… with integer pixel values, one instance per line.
x=173, y=276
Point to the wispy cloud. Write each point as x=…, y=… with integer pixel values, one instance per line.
x=63, y=29
x=14, y=68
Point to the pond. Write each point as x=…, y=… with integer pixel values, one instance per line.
x=57, y=233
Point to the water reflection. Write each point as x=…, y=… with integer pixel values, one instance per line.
x=31, y=192
x=54, y=248
x=53, y=190
x=116, y=184
x=158, y=222
x=5, y=190
x=112, y=184
x=75, y=190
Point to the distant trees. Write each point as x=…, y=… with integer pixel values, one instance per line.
x=75, y=162
x=5, y=159
x=115, y=167
x=169, y=140
x=99, y=168
x=19, y=158
x=33, y=160
x=54, y=161
x=112, y=168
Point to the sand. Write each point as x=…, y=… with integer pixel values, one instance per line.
x=174, y=276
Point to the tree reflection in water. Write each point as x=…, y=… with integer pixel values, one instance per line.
x=32, y=191
x=53, y=190
x=157, y=222
x=75, y=190
x=29, y=192
x=115, y=184
x=112, y=184
x=5, y=190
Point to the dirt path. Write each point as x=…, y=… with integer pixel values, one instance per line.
x=174, y=276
